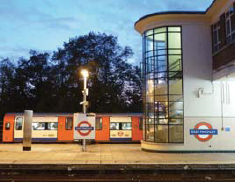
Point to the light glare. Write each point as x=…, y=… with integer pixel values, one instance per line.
x=85, y=73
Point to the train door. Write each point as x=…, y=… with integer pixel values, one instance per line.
x=65, y=128
x=120, y=129
x=137, y=128
x=18, y=129
x=102, y=128
x=8, y=128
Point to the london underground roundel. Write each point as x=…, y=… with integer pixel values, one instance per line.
x=203, y=131
x=84, y=128
x=120, y=133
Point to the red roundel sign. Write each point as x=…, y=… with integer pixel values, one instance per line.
x=84, y=128
x=120, y=133
x=203, y=126
x=203, y=131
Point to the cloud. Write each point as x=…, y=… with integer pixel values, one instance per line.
x=46, y=24
x=63, y=23
x=14, y=52
x=3, y=40
x=186, y=5
x=33, y=16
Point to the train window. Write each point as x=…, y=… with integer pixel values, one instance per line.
x=45, y=126
x=98, y=123
x=38, y=126
x=7, y=126
x=126, y=126
x=114, y=126
x=51, y=126
x=69, y=123
x=19, y=122
x=141, y=124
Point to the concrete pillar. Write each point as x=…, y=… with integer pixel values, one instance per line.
x=27, y=132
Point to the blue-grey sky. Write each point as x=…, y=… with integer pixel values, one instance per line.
x=44, y=25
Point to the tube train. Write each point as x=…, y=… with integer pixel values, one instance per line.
x=59, y=127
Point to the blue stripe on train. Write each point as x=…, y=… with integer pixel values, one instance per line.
x=121, y=139
x=37, y=139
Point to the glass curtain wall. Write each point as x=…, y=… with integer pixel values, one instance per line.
x=163, y=85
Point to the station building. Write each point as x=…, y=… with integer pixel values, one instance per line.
x=189, y=79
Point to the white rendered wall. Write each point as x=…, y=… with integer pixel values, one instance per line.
x=214, y=106
x=197, y=72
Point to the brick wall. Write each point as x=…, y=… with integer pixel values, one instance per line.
x=225, y=56
x=222, y=32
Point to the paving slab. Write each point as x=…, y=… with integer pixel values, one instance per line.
x=103, y=154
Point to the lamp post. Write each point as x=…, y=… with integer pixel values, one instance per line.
x=85, y=75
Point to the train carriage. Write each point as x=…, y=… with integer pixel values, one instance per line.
x=59, y=127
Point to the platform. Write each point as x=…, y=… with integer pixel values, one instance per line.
x=103, y=154
x=110, y=162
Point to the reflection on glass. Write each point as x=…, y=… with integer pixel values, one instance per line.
x=176, y=133
x=149, y=32
x=159, y=30
x=126, y=126
x=150, y=120
x=150, y=98
x=150, y=76
x=162, y=109
x=175, y=74
x=114, y=126
x=7, y=126
x=150, y=65
x=149, y=54
x=161, y=134
x=149, y=43
x=174, y=40
x=162, y=121
x=161, y=63
x=163, y=84
x=19, y=123
x=175, y=63
x=178, y=98
x=175, y=86
x=150, y=133
x=98, y=123
x=176, y=121
x=174, y=51
x=174, y=29
x=52, y=126
x=176, y=109
x=150, y=87
x=161, y=88
x=160, y=41
x=160, y=98
x=69, y=123
x=38, y=126
x=45, y=126
x=150, y=108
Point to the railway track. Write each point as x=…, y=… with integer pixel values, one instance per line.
x=43, y=173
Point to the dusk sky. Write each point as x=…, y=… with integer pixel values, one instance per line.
x=44, y=25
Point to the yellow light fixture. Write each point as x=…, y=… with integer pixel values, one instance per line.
x=84, y=73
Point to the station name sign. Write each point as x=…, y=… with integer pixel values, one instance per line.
x=203, y=132
x=84, y=128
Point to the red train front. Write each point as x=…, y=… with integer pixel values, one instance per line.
x=59, y=127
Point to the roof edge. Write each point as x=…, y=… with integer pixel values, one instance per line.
x=173, y=13
x=177, y=12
